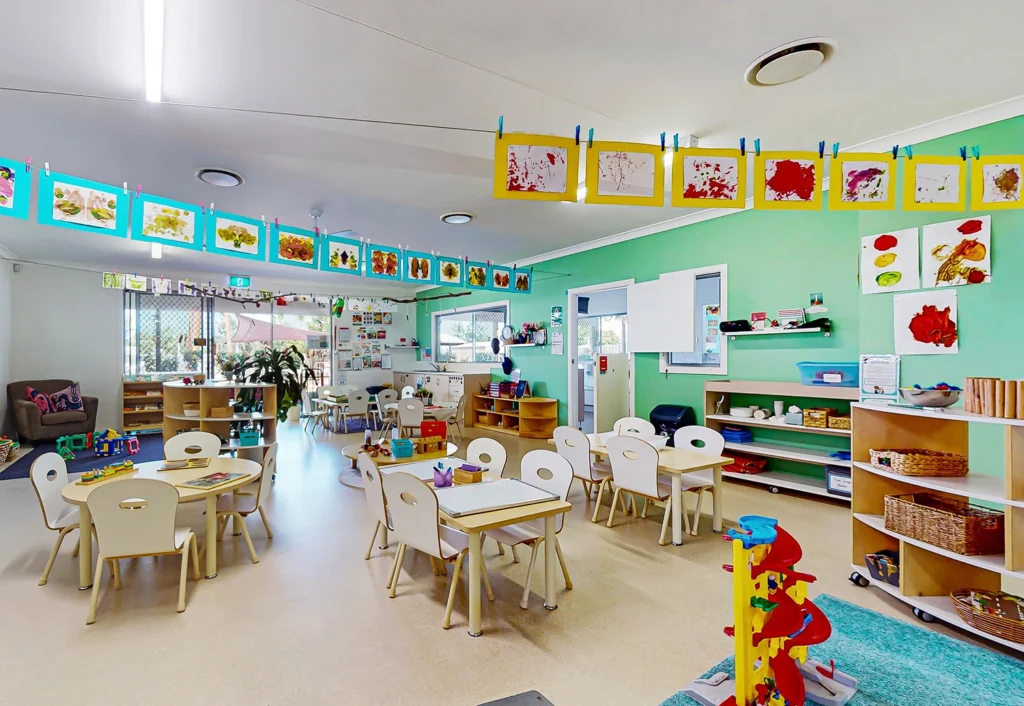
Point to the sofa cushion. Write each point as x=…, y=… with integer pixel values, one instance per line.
x=40, y=399
x=68, y=399
x=66, y=417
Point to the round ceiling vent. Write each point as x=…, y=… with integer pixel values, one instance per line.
x=220, y=177
x=790, y=61
x=457, y=219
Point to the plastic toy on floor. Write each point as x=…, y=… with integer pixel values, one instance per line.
x=67, y=445
x=131, y=443
x=774, y=624
x=108, y=443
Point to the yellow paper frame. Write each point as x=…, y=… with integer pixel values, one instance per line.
x=910, y=184
x=978, y=182
x=679, y=179
x=760, y=202
x=572, y=166
x=594, y=174
x=836, y=183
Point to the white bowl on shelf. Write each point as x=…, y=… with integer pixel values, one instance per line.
x=742, y=412
x=190, y=412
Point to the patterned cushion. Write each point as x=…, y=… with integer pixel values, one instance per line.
x=41, y=400
x=67, y=400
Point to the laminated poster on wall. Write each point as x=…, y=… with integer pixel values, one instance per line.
x=159, y=220
x=934, y=184
x=788, y=181
x=69, y=202
x=706, y=178
x=238, y=236
x=712, y=335
x=15, y=188
x=997, y=182
x=535, y=167
x=293, y=246
x=889, y=262
x=879, y=378
x=862, y=181
x=925, y=323
x=957, y=252
x=625, y=174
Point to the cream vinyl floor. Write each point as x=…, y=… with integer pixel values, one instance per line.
x=312, y=622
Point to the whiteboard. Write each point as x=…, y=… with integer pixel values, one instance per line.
x=660, y=314
x=474, y=498
x=424, y=470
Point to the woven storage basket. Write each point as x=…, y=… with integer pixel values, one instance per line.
x=817, y=417
x=839, y=423
x=1002, y=614
x=6, y=450
x=951, y=524
x=920, y=462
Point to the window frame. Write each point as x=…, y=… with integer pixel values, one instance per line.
x=465, y=367
x=723, y=356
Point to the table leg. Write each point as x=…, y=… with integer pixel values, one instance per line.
x=383, y=534
x=236, y=522
x=211, y=536
x=85, y=566
x=474, y=584
x=550, y=599
x=716, y=517
x=677, y=509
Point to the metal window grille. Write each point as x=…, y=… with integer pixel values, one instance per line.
x=160, y=334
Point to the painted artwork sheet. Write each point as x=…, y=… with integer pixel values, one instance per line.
x=926, y=322
x=626, y=174
x=162, y=286
x=113, y=280
x=997, y=183
x=523, y=280
x=239, y=236
x=935, y=184
x=69, y=202
x=477, y=274
x=890, y=262
x=383, y=262
x=535, y=167
x=704, y=178
x=159, y=220
x=449, y=271
x=862, y=181
x=420, y=267
x=501, y=278
x=788, y=181
x=342, y=255
x=957, y=252
x=293, y=246
x=359, y=304
x=135, y=283
x=15, y=189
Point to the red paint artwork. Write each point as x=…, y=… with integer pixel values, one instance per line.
x=935, y=326
x=789, y=180
x=534, y=168
x=710, y=178
x=886, y=242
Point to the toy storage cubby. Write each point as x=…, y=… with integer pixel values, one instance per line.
x=136, y=397
x=528, y=417
x=210, y=395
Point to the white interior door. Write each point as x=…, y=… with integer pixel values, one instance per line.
x=611, y=392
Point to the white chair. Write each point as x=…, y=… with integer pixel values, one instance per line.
x=315, y=414
x=241, y=505
x=410, y=414
x=456, y=421
x=343, y=390
x=408, y=392
x=192, y=444
x=384, y=398
x=374, y=488
x=634, y=426
x=135, y=517
x=49, y=475
x=702, y=440
x=635, y=471
x=416, y=523
x=532, y=533
x=574, y=446
x=487, y=453
x=358, y=406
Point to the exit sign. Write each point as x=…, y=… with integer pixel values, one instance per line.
x=238, y=280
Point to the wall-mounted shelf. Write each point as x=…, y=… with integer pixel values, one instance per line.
x=412, y=348
x=507, y=344
x=778, y=332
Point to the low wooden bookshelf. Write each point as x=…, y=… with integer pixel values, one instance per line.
x=528, y=417
x=142, y=404
x=220, y=394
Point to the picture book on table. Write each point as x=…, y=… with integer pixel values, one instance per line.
x=212, y=480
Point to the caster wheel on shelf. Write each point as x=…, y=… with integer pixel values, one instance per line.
x=857, y=580
x=774, y=490
x=923, y=616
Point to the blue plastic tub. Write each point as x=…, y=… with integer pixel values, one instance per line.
x=829, y=374
x=401, y=448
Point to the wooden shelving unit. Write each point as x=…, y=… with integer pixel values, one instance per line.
x=929, y=573
x=220, y=394
x=528, y=417
x=135, y=396
x=775, y=449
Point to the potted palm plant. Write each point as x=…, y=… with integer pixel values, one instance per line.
x=287, y=369
x=229, y=364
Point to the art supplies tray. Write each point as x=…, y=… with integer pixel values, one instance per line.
x=484, y=497
x=212, y=480
x=184, y=464
x=424, y=470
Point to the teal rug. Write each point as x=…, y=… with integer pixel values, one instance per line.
x=898, y=664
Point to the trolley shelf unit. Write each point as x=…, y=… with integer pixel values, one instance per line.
x=220, y=394
x=929, y=573
x=768, y=392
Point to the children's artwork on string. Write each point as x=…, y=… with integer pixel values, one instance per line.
x=69, y=202
x=113, y=280
x=229, y=234
x=703, y=178
x=934, y=184
x=340, y=254
x=385, y=305
x=134, y=283
x=383, y=262
x=862, y=181
x=996, y=182
x=535, y=167
x=358, y=305
x=15, y=189
x=161, y=286
x=889, y=262
x=449, y=271
x=523, y=280
x=625, y=174
x=926, y=322
x=501, y=278
x=477, y=275
x=788, y=181
x=420, y=267
x=293, y=246
x=185, y=288
x=957, y=252
x=159, y=220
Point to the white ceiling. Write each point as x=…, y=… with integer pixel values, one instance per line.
x=628, y=72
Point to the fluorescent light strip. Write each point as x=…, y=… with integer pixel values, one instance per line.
x=153, y=31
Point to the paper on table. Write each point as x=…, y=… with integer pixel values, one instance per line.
x=474, y=498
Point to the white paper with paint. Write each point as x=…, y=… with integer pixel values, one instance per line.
x=957, y=252
x=889, y=262
x=925, y=323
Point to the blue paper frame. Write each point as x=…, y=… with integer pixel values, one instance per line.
x=275, y=240
x=211, y=236
x=22, y=180
x=139, y=212
x=499, y=270
x=413, y=254
x=368, y=267
x=516, y=274
x=487, y=274
x=45, y=204
x=325, y=255
x=440, y=263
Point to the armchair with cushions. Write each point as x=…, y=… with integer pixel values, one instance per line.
x=33, y=425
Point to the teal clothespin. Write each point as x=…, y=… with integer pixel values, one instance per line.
x=675, y=142
x=501, y=125
x=976, y=151
x=821, y=149
x=963, y=153
x=909, y=151
x=662, y=142
x=895, y=151
x=757, y=146
x=835, y=150
x=577, y=135
x=743, y=147
x=590, y=138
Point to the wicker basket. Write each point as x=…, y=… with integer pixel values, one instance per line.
x=919, y=462
x=951, y=524
x=839, y=423
x=8, y=450
x=997, y=613
x=817, y=417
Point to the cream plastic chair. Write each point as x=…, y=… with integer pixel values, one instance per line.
x=416, y=522
x=491, y=450
x=702, y=440
x=135, y=517
x=635, y=426
x=385, y=397
x=192, y=444
x=358, y=406
x=456, y=421
x=49, y=475
x=314, y=413
x=574, y=446
x=241, y=505
x=408, y=392
x=635, y=471
x=532, y=469
x=374, y=488
x=410, y=414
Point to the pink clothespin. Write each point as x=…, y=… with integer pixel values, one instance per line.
x=316, y=230
x=138, y=190
x=275, y=224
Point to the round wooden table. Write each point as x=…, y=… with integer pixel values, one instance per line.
x=352, y=478
x=79, y=494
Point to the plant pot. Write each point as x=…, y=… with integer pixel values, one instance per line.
x=229, y=375
x=293, y=414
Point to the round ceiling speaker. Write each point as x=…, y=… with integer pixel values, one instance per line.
x=790, y=61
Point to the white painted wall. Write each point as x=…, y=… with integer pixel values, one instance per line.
x=5, y=339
